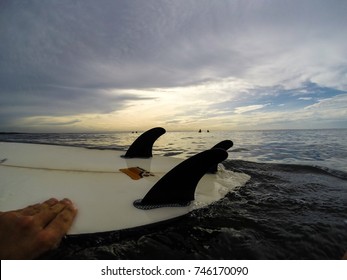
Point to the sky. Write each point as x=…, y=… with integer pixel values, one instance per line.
x=109, y=65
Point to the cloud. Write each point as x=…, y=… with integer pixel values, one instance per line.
x=245, y=109
x=334, y=106
x=50, y=121
x=183, y=62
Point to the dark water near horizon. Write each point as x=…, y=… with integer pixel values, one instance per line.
x=293, y=207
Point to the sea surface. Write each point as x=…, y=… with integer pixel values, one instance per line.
x=293, y=207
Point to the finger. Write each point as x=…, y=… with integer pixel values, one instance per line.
x=50, y=237
x=60, y=225
x=48, y=213
x=34, y=209
x=29, y=210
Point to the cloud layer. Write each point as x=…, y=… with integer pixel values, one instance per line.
x=107, y=65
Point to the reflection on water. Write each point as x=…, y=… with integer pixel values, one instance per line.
x=313, y=147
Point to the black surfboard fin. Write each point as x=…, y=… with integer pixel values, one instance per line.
x=225, y=145
x=142, y=146
x=178, y=186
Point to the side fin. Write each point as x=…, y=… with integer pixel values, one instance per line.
x=142, y=146
x=178, y=186
x=225, y=145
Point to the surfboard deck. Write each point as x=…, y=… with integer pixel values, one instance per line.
x=68, y=158
x=92, y=179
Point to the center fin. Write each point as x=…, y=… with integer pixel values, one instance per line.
x=142, y=146
x=178, y=186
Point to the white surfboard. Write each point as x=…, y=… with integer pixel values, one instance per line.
x=105, y=195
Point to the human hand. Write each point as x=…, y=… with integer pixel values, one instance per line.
x=29, y=232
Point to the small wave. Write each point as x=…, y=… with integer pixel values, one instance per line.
x=172, y=154
x=239, y=150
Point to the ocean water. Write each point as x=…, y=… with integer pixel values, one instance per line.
x=325, y=148
x=293, y=207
